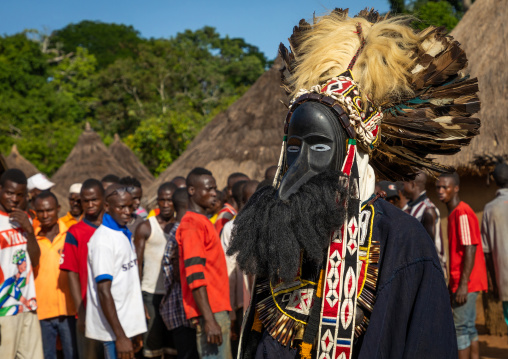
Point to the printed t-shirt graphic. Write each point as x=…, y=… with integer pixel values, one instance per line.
x=17, y=289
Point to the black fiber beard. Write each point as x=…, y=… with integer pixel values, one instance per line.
x=270, y=233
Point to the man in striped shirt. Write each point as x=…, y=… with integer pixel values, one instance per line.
x=468, y=274
x=426, y=212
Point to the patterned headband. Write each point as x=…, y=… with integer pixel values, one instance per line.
x=342, y=94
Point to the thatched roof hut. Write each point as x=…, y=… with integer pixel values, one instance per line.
x=245, y=138
x=90, y=158
x=483, y=34
x=15, y=160
x=130, y=162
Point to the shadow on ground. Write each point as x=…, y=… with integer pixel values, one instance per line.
x=489, y=350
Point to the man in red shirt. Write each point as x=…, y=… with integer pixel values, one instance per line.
x=74, y=260
x=468, y=274
x=203, y=271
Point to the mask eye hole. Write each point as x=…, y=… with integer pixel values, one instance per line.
x=293, y=149
x=320, y=147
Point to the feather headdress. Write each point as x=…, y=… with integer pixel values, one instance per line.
x=414, y=77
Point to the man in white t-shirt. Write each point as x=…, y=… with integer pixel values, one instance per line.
x=114, y=313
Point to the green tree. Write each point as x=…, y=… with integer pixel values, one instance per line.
x=445, y=13
x=156, y=93
x=159, y=141
x=107, y=42
x=440, y=13
x=42, y=105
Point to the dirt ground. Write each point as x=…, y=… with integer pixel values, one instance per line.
x=491, y=347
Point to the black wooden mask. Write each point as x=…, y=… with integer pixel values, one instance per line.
x=316, y=143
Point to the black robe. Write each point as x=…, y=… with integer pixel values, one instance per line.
x=412, y=317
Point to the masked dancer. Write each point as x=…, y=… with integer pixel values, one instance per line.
x=340, y=273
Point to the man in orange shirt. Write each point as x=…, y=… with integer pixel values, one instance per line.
x=203, y=271
x=55, y=310
x=76, y=210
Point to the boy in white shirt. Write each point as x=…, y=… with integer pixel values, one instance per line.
x=115, y=313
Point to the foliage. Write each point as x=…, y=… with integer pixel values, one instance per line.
x=445, y=13
x=157, y=94
x=439, y=13
x=107, y=42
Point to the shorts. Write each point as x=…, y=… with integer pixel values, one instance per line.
x=20, y=336
x=158, y=339
x=213, y=351
x=464, y=318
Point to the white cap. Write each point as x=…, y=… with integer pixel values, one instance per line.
x=75, y=188
x=39, y=181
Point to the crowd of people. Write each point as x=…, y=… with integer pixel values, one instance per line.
x=111, y=280
x=104, y=279
x=474, y=248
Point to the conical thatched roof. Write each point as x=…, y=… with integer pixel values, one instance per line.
x=483, y=34
x=90, y=158
x=245, y=138
x=130, y=162
x=15, y=160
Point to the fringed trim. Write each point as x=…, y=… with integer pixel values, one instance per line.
x=280, y=326
x=257, y=326
x=367, y=297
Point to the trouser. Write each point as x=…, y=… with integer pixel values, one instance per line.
x=65, y=328
x=20, y=336
x=464, y=317
x=157, y=339
x=110, y=350
x=88, y=348
x=185, y=342
x=214, y=351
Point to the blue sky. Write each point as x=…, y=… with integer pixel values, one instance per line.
x=262, y=23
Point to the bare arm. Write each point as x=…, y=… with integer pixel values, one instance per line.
x=75, y=288
x=469, y=256
x=143, y=232
x=32, y=246
x=428, y=221
x=123, y=344
x=211, y=327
